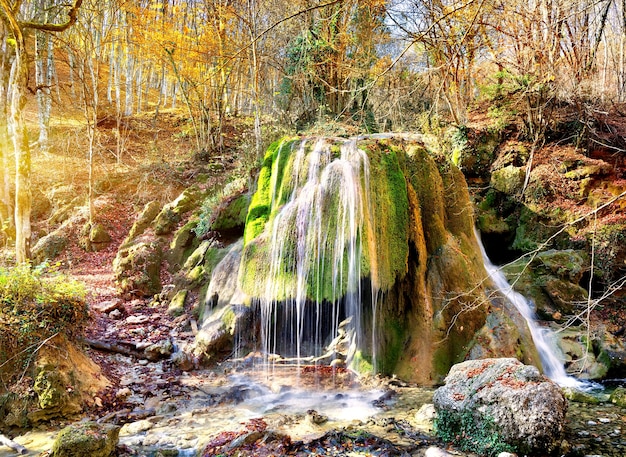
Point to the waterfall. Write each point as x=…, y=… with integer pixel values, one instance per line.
x=313, y=289
x=543, y=337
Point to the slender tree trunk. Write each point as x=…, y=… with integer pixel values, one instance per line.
x=43, y=80
x=23, y=198
x=6, y=206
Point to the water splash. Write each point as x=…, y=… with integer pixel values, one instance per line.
x=543, y=337
x=315, y=248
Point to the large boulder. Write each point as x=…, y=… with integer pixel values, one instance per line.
x=137, y=268
x=500, y=405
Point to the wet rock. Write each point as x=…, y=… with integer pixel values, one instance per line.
x=434, y=451
x=618, y=397
x=86, y=439
x=177, y=304
x=579, y=396
x=425, y=416
x=496, y=405
x=161, y=350
x=217, y=333
x=585, y=360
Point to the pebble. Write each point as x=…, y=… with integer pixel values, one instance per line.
x=123, y=393
x=604, y=420
x=115, y=314
x=592, y=423
x=140, y=319
x=436, y=452
x=137, y=427
x=583, y=433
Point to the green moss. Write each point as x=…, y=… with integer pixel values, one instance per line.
x=390, y=205
x=470, y=433
x=270, y=178
x=361, y=363
x=394, y=335
x=86, y=438
x=231, y=214
x=229, y=319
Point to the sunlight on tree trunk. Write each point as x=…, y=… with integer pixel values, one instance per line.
x=18, y=83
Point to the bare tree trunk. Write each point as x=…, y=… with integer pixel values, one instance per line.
x=18, y=81
x=43, y=80
x=6, y=207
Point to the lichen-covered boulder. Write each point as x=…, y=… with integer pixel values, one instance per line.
x=508, y=180
x=165, y=222
x=137, y=267
x=495, y=405
x=94, y=237
x=618, y=397
x=86, y=439
x=145, y=218
x=50, y=246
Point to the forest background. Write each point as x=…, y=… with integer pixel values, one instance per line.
x=374, y=65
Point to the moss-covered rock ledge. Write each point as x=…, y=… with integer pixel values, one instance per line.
x=420, y=262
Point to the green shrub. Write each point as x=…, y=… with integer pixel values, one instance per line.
x=35, y=304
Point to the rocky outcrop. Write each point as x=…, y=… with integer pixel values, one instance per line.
x=495, y=405
x=65, y=381
x=419, y=252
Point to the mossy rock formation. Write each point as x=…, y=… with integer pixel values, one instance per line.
x=86, y=438
x=420, y=265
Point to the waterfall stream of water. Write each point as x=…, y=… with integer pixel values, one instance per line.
x=316, y=234
x=543, y=337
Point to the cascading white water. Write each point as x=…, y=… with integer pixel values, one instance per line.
x=543, y=337
x=318, y=227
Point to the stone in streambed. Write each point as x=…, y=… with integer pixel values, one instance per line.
x=86, y=438
x=500, y=405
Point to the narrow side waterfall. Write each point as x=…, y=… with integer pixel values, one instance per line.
x=312, y=294
x=543, y=337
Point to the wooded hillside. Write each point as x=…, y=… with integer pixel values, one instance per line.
x=346, y=66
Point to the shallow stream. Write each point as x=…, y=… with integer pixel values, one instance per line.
x=181, y=416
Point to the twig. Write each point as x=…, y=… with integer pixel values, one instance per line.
x=13, y=445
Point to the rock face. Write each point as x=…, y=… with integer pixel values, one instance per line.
x=349, y=226
x=495, y=405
